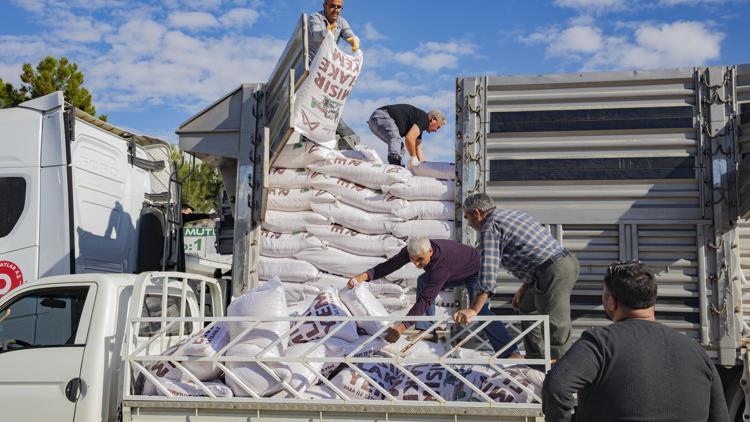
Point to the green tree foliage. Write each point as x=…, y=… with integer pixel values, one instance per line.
x=201, y=183
x=51, y=75
x=9, y=96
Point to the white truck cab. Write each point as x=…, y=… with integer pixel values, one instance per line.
x=61, y=341
x=79, y=195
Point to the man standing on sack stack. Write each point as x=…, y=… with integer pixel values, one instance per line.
x=402, y=125
x=514, y=240
x=318, y=24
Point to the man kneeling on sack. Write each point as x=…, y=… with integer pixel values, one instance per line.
x=402, y=125
x=447, y=264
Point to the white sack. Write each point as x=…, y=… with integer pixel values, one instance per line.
x=434, y=169
x=384, y=288
x=432, y=229
x=252, y=374
x=336, y=347
x=355, y=218
x=356, y=387
x=427, y=210
x=336, y=261
x=357, y=243
x=280, y=199
x=207, y=343
x=285, y=245
x=291, y=222
x=363, y=153
x=357, y=195
x=297, y=292
x=423, y=189
x=267, y=300
x=501, y=389
x=405, y=276
x=186, y=388
x=393, y=303
x=326, y=280
x=326, y=304
x=434, y=376
x=361, y=302
x=301, y=154
x=287, y=269
x=281, y=178
x=299, y=375
x=420, y=350
x=371, y=175
x=320, y=99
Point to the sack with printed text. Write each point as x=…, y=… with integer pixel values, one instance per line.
x=357, y=195
x=326, y=304
x=320, y=100
x=371, y=175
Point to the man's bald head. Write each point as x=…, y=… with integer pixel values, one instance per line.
x=332, y=9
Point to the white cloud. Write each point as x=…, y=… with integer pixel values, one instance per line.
x=640, y=46
x=240, y=18
x=576, y=39
x=372, y=83
x=429, y=57
x=666, y=45
x=192, y=20
x=371, y=34
x=10, y=73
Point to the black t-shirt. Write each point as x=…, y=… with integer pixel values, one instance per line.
x=635, y=370
x=406, y=116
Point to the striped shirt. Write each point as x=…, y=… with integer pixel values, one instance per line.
x=514, y=240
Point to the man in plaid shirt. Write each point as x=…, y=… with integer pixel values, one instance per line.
x=514, y=240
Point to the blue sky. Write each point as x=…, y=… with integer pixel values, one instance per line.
x=151, y=65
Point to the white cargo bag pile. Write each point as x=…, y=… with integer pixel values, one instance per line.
x=334, y=214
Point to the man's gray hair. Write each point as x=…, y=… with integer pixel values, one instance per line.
x=417, y=245
x=479, y=201
x=437, y=115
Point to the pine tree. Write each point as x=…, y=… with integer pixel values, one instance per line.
x=201, y=183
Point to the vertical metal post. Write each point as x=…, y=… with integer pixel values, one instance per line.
x=247, y=180
x=720, y=144
x=470, y=100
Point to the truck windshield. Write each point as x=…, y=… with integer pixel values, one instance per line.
x=13, y=194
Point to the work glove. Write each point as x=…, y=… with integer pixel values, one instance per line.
x=354, y=41
x=413, y=162
x=331, y=27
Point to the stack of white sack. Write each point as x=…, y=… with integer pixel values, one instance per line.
x=334, y=214
x=206, y=343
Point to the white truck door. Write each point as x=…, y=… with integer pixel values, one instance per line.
x=20, y=132
x=42, y=339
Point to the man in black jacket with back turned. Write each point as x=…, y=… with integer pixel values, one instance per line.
x=635, y=369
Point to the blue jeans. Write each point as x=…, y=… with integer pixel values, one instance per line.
x=496, y=332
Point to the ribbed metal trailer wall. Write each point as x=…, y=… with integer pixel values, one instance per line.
x=610, y=162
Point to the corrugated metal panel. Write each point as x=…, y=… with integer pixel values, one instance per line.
x=670, y=250
x=744, y=241
x=600, y=201
x=743, y=105
x=615, y=217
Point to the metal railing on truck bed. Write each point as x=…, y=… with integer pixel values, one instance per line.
x=453, y=382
